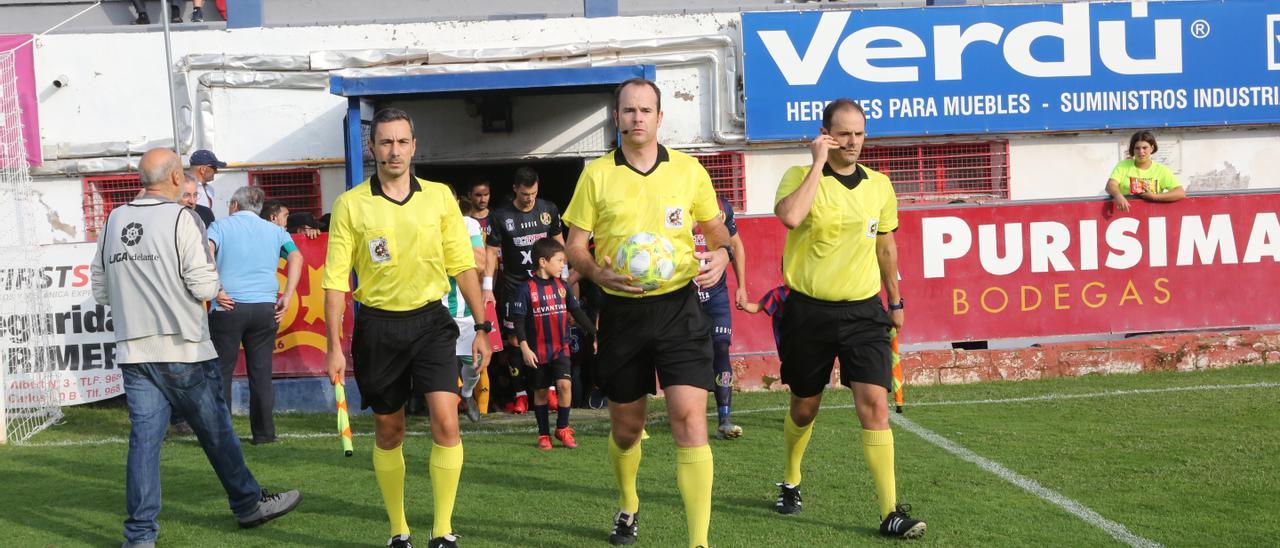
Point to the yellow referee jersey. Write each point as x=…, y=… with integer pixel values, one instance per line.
x=832, y=254
x=403, y=252
x=616, y=201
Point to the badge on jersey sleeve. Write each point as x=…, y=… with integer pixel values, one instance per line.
x=873, y=227
x=379, y=251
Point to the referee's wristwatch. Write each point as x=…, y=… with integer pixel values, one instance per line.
x=897, y=306
x=487, y=327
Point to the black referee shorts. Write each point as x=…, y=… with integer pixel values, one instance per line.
x=815, y=332
x=390, y=349
x=667, y=334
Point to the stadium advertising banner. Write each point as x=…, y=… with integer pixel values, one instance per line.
x=1032, y=67
x=22, y=72
x=1080, y=267
x=1011, y=270
x=82, y=343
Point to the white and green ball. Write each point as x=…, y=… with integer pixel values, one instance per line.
x=648, y=258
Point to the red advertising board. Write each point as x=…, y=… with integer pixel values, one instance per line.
x=22, y=69
x=1038, y=269
x=992, y=271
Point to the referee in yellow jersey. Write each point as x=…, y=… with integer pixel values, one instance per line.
x=404, y=237
x=644, y=187
x=838, y=255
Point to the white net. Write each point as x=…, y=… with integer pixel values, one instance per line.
x=28, y=381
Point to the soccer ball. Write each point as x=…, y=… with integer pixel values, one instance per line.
x=648, y=258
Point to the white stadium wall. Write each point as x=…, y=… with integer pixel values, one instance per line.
x=764, y=171
x=1066, y=166
x=119, y=91
x=119, y=94
x=63, y=220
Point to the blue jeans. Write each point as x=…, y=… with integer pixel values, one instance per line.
x=194, y=390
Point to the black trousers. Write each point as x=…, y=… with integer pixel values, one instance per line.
x=252, y=325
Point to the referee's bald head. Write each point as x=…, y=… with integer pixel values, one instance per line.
x=617, y=92
x=843, y=103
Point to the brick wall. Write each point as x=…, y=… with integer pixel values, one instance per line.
x=1180, y=352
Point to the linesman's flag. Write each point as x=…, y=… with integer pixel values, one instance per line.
x=897, y=369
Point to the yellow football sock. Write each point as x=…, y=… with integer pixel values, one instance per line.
x=446, y=468
x=797, y=440
x=694, y=474
x=626, y=466
x=877, y=445
x=388, y=468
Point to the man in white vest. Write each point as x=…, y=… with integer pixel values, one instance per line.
x=153, y=268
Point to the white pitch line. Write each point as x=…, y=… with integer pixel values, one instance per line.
x=1106, y=394
x=588, y=427
x=1116, y=530
x=1046, y=397
x=115, y=440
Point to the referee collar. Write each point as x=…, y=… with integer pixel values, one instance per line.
x=850, y=181
x=375, y=186
x=620, y=159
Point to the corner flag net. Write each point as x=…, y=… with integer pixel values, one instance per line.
x=28, y=382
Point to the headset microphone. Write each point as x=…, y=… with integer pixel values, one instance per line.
x=625, y=132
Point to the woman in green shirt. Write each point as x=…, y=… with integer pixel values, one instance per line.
x=1141, y=176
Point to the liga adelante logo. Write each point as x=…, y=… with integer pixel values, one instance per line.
x=132, y=234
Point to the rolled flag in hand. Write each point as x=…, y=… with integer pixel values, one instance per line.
x=897, y=369
x=344, y=421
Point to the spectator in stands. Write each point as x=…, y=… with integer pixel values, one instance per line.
x=205, y=166
x=294, y=223
x=1143, y=177
x=249, y=308
x=177, y=425
x=164, y=350
x=276, y=212
x=175, y=12
x=304, y=223
x=190, y=190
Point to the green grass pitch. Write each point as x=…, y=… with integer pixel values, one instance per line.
x=1180, y=459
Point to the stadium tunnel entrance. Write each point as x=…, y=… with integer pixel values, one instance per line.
x=485, y=124
x=556, y=178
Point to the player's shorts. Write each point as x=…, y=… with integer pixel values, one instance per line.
x=466, y=335
x=546, y=375
x=716, y=304
x=667, y=334
x=815, y=332
x=390, y=349
x=506, y=328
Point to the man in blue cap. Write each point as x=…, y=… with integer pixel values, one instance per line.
x=204, y=165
